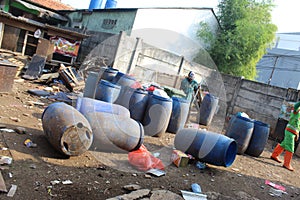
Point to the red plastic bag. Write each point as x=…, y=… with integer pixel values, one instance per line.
x=143, y=160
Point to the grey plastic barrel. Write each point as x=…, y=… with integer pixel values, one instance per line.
x=208, y=147
x=124, y=96
x=180, y=111
x=91, y=84
x=67, y=130
x=240, y=129
x=207, y=109
x=107, y=91
x=138, y=104
x=86, y=105
x=157, y=115
x=115, y=133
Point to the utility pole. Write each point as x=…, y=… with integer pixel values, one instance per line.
x=271, y=75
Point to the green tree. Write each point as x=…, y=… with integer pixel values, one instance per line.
x=245, y=33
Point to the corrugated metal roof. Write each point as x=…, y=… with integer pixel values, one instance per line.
x=53, y=4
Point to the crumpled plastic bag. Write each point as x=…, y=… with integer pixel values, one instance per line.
x=143, y=160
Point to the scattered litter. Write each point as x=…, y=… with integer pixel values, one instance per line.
x=196, y=188
x=5, y=160
x=32, y=166
x=38, y=92
x=179, y=158
x=48, y=89
x=275, y=192
x=10, y=175
x=156, y=155
x=156, y=172
x=132, y=187
x=49, y=190
x=107, y=182
x=276, y=186
x=31, y=103
x=200, y=165
x=28, y=143
x=148, y=176
x=20, y=130
x=55, y=182
x=4, y=148
x=67, y=182
x=7, y=130
x=193, y=196
x=12, y=191
x=235, y=169
x=2, y=184
x=2, y=125
x=15, y=119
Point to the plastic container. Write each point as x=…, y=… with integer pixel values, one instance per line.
x=124, y=80
x=115, y=133
x=107, y=91
x=124, y=96
x=240, y=129
x=180, y=111
x=86, y=105
x=91, y=85
x=117, y=77
x=138, y=104
x=67, y=130
x=207, y=109
x=259, y=139
x=109, y=74
x=157, y=115
x=208, y=147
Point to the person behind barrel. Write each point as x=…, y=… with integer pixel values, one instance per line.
x=189, y=86
x=291, y=134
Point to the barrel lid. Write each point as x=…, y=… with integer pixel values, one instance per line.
x=140, y=91
x=182, y=100
x=245, y=118
x=109, y=69
x=161, y=97
x=261, y=123
x=107, y=83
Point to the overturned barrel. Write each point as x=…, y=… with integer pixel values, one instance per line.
x=157, y=115
x=115, y=133
x=180, y=111
x=207, y=109
x=67, y=130
x=107, y=91
x=258, y=139
x=240, y=128
x=138, y=104
x=87, y=105
x=209, y=147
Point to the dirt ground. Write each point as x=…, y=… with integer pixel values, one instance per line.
x=97, y=175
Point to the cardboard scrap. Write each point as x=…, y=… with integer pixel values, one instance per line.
x=12, y=190
x=2, y=184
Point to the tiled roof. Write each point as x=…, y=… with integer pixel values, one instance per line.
x=53, y=4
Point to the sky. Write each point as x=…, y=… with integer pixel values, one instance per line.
x=285, y=14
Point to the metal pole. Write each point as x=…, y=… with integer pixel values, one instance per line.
x=271, y=75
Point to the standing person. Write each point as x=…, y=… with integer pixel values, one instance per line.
x=291, y=134
x=189, y=86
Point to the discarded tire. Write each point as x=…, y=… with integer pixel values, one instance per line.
x=209, y=147
x=115, y=133
x=240, y=129
x=258, y=139
x=67, y=130
x=86, y=105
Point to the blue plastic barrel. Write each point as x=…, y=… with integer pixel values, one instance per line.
x=180, y=111
x=157, y=115
x=138, y=104
x=117, y=77
x=240, y=129
x=115, y=133
x=111, y=4
x=87, y=105
x=107, y=91
x=95, y=4
x=207, y=109
x=109, y=74
x=125, y=80
x=259, y=139
x=208, y=147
